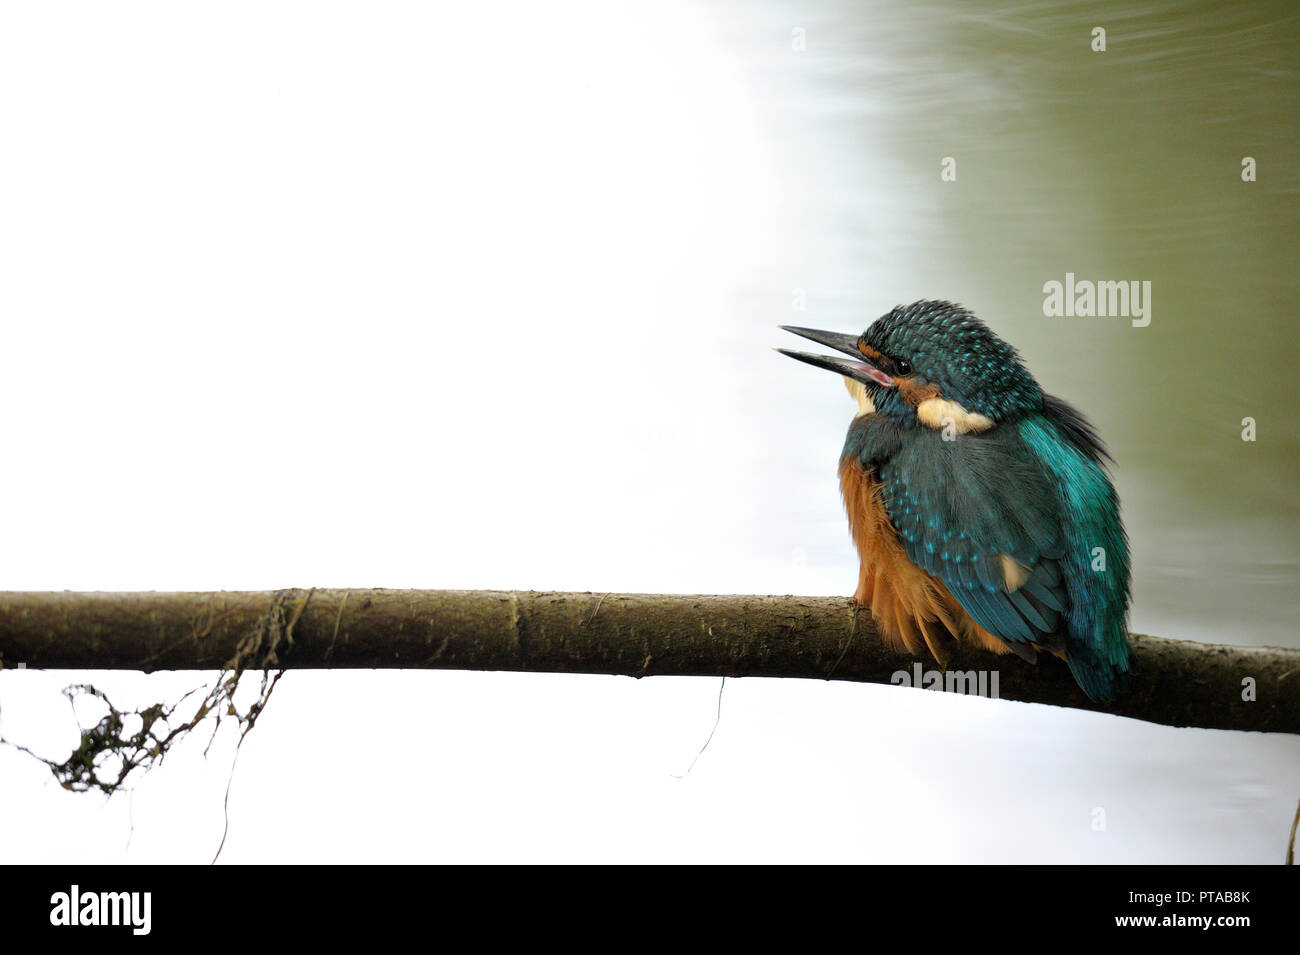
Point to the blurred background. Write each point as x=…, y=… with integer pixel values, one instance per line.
x=484, y=296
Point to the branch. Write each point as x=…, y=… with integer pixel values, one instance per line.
x=1178, y=683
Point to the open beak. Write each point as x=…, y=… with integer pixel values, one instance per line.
x=859, y=369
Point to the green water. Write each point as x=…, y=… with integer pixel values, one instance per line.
x=1119, y=165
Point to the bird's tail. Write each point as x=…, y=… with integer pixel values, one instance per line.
x=1100, y=673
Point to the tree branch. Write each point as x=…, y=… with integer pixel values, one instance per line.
x=1178, y=683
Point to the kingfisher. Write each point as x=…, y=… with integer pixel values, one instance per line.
x=980, y=507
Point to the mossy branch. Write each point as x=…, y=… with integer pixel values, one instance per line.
x=1178, y=683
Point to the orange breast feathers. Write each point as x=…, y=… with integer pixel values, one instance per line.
x=911, y=607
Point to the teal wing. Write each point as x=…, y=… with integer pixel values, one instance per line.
x=1096, y=564
x=981, y=513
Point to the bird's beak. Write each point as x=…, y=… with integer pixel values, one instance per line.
x=859, y=369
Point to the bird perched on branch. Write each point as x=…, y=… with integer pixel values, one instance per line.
x=980, y=506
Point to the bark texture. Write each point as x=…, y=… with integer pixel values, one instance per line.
x=1178, y=683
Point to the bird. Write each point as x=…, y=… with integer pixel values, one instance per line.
x=981, y=507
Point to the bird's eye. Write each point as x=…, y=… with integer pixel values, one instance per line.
x=903, y=367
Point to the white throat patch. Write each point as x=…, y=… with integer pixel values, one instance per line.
x=859, y=392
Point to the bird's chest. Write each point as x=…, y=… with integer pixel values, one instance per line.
x=903, y=598
x=864, y=501
x=884, y=560
x=872, y=439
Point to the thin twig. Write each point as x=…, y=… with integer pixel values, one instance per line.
x=716, y=720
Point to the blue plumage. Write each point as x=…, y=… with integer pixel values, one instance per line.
x=992, y=487
x=1096, y=562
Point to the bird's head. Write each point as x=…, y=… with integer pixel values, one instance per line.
x=929, y=364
